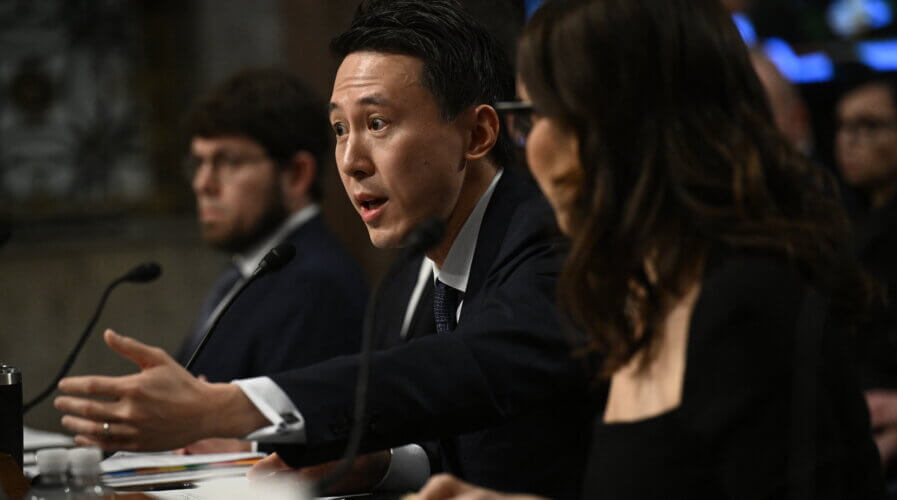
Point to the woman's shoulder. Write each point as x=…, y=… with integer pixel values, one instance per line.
x=750, y=281
x=740, y=339
x=747, y=310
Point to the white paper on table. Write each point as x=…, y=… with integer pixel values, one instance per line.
x=123, y=461
x=35, y=439
x=237, y=489
x=182, y=476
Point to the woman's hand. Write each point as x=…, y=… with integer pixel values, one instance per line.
x=366, y=472
x=444, y=486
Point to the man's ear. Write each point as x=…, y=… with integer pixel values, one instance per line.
x=297, y=176
x=483, y=132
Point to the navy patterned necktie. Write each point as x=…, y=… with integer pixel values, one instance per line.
x=445, y=307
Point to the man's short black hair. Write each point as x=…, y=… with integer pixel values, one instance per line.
x=463, y=64
x=271, y=107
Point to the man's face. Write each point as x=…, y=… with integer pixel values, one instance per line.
x=239, y=199
x=399, y=160
x=866, y=142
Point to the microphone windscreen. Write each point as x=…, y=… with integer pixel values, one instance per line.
x=425, y=235
x=144, y=273
x=279, y=256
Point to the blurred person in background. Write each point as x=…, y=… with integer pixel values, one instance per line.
x=789, y=111
x=735, y=5
x=709, y=263
x=259, y=143
x=866, y=155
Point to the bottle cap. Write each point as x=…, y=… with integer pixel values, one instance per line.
x=52, y=460
x=10, y=375
x=85, y=461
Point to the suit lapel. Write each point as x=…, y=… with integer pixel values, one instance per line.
x=509, y=192
x=394, y=297
x=423, y=322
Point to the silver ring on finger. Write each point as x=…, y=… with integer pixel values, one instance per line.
x=106, y=427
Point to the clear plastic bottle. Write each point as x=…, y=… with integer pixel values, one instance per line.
x=85, y=468
x=52, y=483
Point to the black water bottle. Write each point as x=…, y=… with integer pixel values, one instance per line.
x=11, y=412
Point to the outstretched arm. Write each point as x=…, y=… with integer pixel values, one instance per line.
x=159, y=408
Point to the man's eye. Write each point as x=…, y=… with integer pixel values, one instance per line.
x=339, y=129
x=377, y=124
x=227, y=160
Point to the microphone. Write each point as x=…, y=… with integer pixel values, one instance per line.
x=143, y=273
x=423, y=237
x=272, y=262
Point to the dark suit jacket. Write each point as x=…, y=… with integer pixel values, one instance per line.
x=875, y=240
x=309, y=311
x=502, y=393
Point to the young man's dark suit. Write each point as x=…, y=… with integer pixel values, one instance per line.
x=309, y=311
x=502, y=393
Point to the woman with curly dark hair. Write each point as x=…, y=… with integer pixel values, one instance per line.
x=709, y=261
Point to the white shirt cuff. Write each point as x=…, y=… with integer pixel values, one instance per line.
x=287, y=424
x=408, y=469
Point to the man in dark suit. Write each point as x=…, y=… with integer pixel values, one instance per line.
x=258, y=141
x=477, y=358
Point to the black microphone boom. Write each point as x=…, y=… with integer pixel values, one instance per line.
x=423, y=237
x=143, y=273
x=273, y=261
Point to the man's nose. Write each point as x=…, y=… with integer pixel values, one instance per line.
x=204, y=179
x=353, y=157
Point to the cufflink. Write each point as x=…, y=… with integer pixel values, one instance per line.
x=290, y=418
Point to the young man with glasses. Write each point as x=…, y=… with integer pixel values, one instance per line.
x=258, y=144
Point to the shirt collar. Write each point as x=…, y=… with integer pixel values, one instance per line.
x=247, y=261
x=455, y=269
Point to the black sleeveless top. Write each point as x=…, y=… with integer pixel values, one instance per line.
x=764, y=412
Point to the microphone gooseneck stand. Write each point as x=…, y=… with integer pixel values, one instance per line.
x=273, y=261
x=423, y=237
x=143, y=273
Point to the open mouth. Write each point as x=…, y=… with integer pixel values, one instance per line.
x=372, y=203
x=371, y=207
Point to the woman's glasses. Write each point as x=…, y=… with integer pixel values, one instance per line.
x=518, y=118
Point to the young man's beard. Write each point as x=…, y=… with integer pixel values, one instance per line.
x=274, y=215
